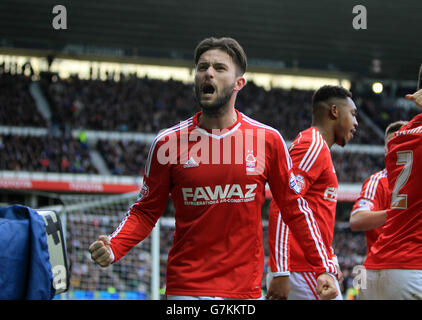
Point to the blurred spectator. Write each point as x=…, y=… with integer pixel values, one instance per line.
x=384, y=112
x=17, y=107
x=60, y=154
x=350, y=248
x=46, y=154
x=356, y=167
x=145, y=105
x=124, y=157
x=132, y=104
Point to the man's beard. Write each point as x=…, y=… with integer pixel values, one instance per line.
x=218, y=106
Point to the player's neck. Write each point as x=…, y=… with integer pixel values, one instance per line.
x=326, y=132
x=224, y=119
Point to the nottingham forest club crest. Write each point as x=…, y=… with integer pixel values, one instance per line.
x=250, y=162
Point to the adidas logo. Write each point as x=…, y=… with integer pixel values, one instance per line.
x=191, y=163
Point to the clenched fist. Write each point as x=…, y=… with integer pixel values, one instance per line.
x=101, y=252
x=279, y=288
x=326, y=287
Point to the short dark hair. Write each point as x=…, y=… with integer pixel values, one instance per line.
x=393, y=127
x=322, y=96
x=328, y=92
x=228, y=45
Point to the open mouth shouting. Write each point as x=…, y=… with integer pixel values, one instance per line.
x=207, y=89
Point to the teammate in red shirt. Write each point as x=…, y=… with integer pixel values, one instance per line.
x=334, y=121
x=215, y=166
x=370, y=210
x=394, y=263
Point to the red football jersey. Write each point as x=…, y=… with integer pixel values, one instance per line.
x=399, y=246
x=316, y=177
x=374, y=196
x=217, y=248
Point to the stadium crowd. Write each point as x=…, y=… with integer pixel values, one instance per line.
x=382, y=113
x=143, y=105
x=124, y=157
x=147, y=105
x=128, y=105
x=356, y=167
x=44, y=154
x=17, y=107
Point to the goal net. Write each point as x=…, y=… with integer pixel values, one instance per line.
x=136, y=276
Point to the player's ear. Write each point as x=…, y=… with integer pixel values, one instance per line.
x=334, y=111
x=240, y=83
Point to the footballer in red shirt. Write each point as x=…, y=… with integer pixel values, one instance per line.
x=370, y=210
x=373, y=202
x=394, y=262
x=334, y=121
x=215, y=166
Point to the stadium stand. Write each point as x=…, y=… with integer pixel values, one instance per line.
x=17, y=105
x=45, y=154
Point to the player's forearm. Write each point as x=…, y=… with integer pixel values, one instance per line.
x=134, y=228
x=367, y=220
x=303, y=226
x=295, y=212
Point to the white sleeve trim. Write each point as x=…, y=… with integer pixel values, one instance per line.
x=112, y=255
x=360, y=209
x=281, y=274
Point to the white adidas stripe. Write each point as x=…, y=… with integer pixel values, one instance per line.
x=285, y=239
x=313, y=151
x=369, y=191
x=281, y=245
x=303, y=206
x=277, y=244
x=308, y=152
x=371, y=188
x=116, y=232
x=320, y=145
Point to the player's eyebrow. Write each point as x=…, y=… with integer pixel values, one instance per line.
x=203, y=63
x=214, y=64
x=220, y=64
